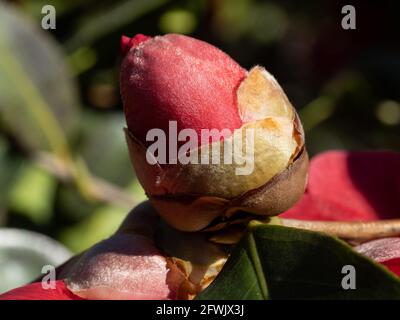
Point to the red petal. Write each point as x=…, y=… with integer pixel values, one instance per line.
x=35, y=291
x=385, y=251
x=393, y=265
x=351, y=186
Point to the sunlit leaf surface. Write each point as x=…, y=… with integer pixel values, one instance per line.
x=275, y=262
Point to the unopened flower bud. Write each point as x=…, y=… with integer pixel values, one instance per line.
x=257, y=161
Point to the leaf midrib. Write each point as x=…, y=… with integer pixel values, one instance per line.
x=255, y=260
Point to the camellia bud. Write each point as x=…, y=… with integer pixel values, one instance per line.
x=232, y=141
x=177, y=78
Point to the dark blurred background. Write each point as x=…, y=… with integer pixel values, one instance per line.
x=64, y=167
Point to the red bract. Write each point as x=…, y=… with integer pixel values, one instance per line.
x=178, y=78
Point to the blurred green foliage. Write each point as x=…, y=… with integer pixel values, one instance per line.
x=63, y=160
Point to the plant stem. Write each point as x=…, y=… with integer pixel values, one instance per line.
x=93, y=187
x=352, y=231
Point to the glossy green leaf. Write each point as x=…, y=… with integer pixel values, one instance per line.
x=38, y=101
x=275, y=262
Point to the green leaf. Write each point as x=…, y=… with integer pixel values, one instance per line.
x=38, y=100
x=275, y=262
